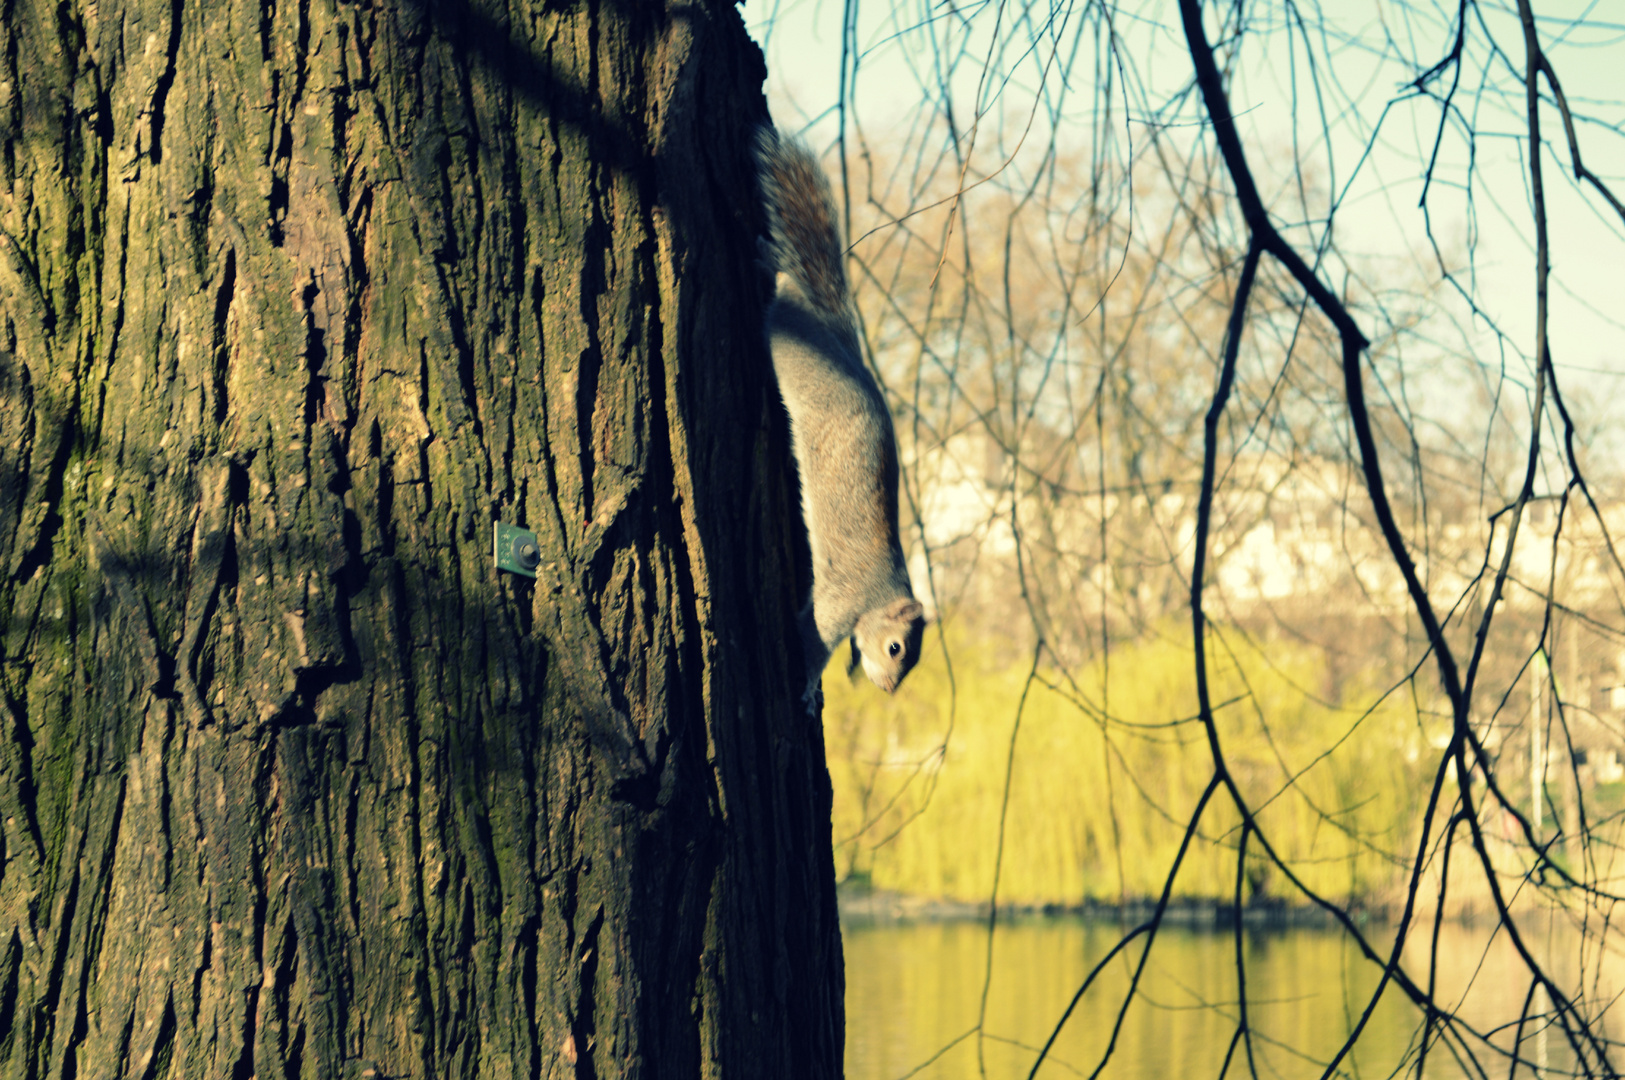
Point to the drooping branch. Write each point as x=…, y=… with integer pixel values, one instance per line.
x=1266, y=236
x=1354, y=341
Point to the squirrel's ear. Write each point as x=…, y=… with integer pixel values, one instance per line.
x=906, y=610
x=854, y=661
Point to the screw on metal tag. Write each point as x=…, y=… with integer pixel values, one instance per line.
x=515, y=549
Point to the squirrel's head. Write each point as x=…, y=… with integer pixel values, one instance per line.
x=888, y=640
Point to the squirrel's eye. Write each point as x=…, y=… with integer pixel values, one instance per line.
x=893, y=649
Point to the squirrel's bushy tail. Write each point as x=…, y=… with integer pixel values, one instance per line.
x=805, y=239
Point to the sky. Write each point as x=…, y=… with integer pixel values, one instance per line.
x=1374, y=48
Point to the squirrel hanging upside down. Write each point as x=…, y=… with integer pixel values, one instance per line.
x=840, y=429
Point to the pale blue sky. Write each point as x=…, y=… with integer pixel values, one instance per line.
x=1379, y=218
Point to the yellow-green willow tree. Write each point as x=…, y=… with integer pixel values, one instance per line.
x=296, y=300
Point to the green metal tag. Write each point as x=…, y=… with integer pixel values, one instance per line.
x=515, y=549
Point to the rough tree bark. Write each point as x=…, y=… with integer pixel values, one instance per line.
x=298, y=298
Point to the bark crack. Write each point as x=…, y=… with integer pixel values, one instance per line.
x=220, y=346
x=160, y=93
x=583, y=1028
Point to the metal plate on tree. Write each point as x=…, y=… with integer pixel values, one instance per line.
x=515, y=549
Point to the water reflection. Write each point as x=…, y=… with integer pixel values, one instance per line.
x=913, y=988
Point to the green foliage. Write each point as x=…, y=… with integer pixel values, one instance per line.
x=1109, y=763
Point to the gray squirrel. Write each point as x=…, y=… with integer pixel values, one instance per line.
x=840, y=430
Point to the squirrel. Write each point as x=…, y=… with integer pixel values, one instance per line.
x=840, y=431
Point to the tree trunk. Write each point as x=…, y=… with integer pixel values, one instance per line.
x=298, y=299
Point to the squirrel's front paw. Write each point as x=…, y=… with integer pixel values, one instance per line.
x=814, y=697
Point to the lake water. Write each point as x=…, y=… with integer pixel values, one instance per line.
x=913, y=988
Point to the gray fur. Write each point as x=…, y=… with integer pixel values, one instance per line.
x=841, y=430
